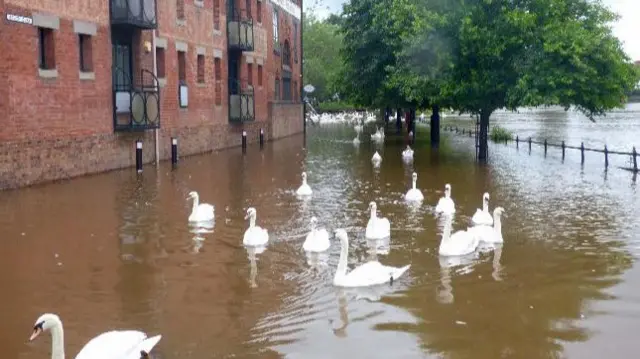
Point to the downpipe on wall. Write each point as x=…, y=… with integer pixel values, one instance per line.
x=155, y=76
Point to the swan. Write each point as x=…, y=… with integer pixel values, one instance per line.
x=305, y=189
x=459, y=244
x=483, y=217
x=445, y=204
x=376, y=159
x=356, y=141
x=200, y=211
x=378, y=136
x=377, y=228
x=357, y=127
x=490, y=234
x=368, y=274
x=407, y=154
x=414, y=194
x=317, y=239
x=254, y=235
x=116, y=344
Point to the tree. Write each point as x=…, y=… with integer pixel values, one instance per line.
x=525, y=53
x=322, y=62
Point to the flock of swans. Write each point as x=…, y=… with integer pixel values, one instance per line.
x=486, y=228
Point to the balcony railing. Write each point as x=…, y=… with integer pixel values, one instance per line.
x=241, y=101
x=136, y=101
x=240, y=31
x=137, y=13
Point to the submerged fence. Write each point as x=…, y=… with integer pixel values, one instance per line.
x=633, y=155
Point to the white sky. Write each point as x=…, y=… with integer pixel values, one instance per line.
x=627, y=29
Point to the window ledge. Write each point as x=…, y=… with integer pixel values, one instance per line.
x=198, y=3
x=201, y=84
x=181, y=22
x=162, y=82
x=87, y=75
x=48, y=73
x=217, y=32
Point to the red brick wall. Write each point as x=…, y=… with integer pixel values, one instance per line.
x=286, y=119
x=63, y=127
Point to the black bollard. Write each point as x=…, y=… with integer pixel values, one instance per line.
x=139, y=156
x=244, y=141
x=261, y=138
x=174, y=150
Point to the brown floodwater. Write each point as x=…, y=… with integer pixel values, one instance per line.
x=115, y=251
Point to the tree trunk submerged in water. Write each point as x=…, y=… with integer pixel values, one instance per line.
x=435, y=126
x=483, y=136
x=399, y=120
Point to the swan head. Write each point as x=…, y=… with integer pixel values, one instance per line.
x=341, y=234
x=192, y=194
x=304, y=175
x=372, y=205
x=498, y=212
x=313, y=222
x=485, y=197
x=251, y=213
x=447, y=188
x=414, y=176
x=45, y=322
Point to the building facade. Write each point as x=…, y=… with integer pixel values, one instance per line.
x=84, y=80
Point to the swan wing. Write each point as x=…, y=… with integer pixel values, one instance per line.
x=482, y=218
x=317, y=241
x=255, y=236
x=146, y=346
x=374, y=273
x=113, y=344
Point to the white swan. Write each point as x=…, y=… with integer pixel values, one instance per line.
x=490, y=234
x=304, y=189
x=414, y=194
x=459, y=244
x=445, y=204
x=378, y=136
x=200, y=211
x=368, y=274
x=377, y=227
x=254, y=235
x=116, y=344
x=356, y=141
x=407, y=154
x=376, y=159
x=483, y=217
x=317, y=239
x=357, y=127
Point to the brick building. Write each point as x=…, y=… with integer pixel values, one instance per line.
x=82, y=80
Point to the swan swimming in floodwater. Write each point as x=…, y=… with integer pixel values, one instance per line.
x=200, y=212
x=377, y=227
x=490, y=234
x=459, y=244
x=368, y=274
x=304, y=189
x=445, y=204
x=317, y=239
x=407, y=154
x=483, y=217
x=254, y=235
x=376, y=159
x=414, y=194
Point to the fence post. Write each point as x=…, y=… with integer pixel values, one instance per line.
x=529, y=144
x=563, y=147
x=517, y=142
x=635, y=161
x=506, y=140
x=545, y=147
x=470, y=132
x=463, y=131
x=606, y=157
x=582, y=152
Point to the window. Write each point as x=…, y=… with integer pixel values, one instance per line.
x=218, y=75
x=276, y=44
x=250, y=74
x=286, y=88
x=216, y=14
x=259, y=11
x=86, y=58
x=182, y=68
x=286, y=54
x=260, y=75
x=277, y=89
x=200, y=69
x=47, y=59
x=160, y=62
x=295, y=42
x=248, y=8
x=180, y=9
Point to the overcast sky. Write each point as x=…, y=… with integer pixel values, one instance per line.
x=626, y=29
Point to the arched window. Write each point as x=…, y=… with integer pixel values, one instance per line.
x=286, y=54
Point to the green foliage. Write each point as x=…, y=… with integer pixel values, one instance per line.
x=499, y=134
x=336, y=106
x=322, y=61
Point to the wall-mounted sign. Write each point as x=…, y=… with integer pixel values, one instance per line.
x=19, y=18
x=289, y=7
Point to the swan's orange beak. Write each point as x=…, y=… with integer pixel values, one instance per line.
x=36, y=332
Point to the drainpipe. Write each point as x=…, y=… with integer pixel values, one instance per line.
x=155, y=74
x=301, y=92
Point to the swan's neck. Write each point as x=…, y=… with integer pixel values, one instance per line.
x=57, y=342
x=414, y=184
x=485, y=206
x=446, y=233
x=373, y=213
x=252, y=221
x=341, y=271
x=497, y=225
x=447, y=194
x=196, y=202
x=304, y=181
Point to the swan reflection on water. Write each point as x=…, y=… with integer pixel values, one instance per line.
x=199, y=229
x=253, y=265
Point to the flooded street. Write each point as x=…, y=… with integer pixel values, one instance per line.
x=115, y=251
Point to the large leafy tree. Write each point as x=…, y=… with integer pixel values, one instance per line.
x=322, y=61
